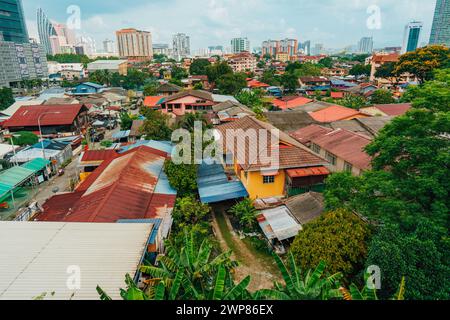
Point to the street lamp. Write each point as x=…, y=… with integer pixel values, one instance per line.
x=40, y=131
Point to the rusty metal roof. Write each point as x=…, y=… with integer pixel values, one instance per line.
x=98, y=155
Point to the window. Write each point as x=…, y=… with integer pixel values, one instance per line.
x=331, y=158
x=315, y=148
x=348, y=167
x=268, y=179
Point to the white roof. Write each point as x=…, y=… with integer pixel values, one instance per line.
x=35, y=258
x=16, y=106
x=29, y=154
x=279, y=224
x=6, y=148
x=223, y=98
x=105, y=64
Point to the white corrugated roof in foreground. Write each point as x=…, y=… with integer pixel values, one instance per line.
x=279, y=223
x=35, y=257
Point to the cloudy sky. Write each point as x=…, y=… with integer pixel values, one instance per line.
x=334, y=23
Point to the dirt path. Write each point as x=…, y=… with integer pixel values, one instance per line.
x=262, y=269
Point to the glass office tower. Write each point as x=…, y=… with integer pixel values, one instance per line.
x=12, y=22
x=440, y=32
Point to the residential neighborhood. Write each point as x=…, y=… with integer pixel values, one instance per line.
x=286, y=171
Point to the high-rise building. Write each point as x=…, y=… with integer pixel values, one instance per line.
x=21, y=61
x=440, y=32
x=411, y=36
x=55, y=37
x=317, y=50
x=239, y=45
x=306, y=47
x=181, y=46
x=12, y=22
x=285, y=47
x=109, y=46
x=161, y=48
x=135, y=45
x=365, y=45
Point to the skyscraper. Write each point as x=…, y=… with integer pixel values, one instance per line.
x=411, y=36
x=55, y=37
x=239, y=45
x=45, y=30
x=365, y=45
x=306, y=47
x=181, y=46
x=440, y=32
x=135, y=45
x=108, y=46
x=12, y=22
x=287, y=47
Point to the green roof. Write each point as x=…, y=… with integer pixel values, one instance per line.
x=36, y=164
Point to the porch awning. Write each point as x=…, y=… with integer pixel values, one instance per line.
x=308, y=172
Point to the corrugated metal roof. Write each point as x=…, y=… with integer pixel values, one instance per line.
x=121, y=135
x=164, y=146
x=307, y=172
x=278, y=223
x=35, y=257
x=36, y=164
x=98, y=155
x=27, y=116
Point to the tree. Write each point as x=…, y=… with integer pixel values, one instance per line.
x=422, y=62
x=338, y=238
x=6, y=98
x=232, y=83
x=270, y=78
x=310, y=285
x=289, y=81
x=360, y=70
x=353, y=101
x=420, y=256
x=23, y=138
x=382, y=96
x=182, y=177
x=188, y=121
x=305, y=69
x=198, y=66
x=218, y=70
x=151, y=89
x=386, y=70
x=125, y=121
x=178, y=73
x=327, y=62
x=155, y=125
x=245, y=212
x=189, y=211
x=432, y=95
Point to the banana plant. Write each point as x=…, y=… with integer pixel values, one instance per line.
x=311, y=285
x=353, y=293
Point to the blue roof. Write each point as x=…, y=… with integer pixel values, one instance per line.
x=156, y=224
x=51, y=145
x=121, y=135
x=214, y=186
x=165, y=146
x=91, y=84
x=339, y=82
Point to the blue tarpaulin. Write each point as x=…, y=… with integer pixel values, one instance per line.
x=214, y=186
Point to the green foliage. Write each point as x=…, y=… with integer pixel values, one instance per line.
x=298, y=285
x=151, y=89
x=245, y=212
x=338, y=238
x=178, y=73
x=289, y=81
x=218, y=70
x=125, y=121
x=155, y=126
x=159, y=58
x=6, y=98
x=188, y=121
x=106, y=143
x=182, y=177
x=198, y=86
x=421, y=256
x=270, y=78
x=360, y=70
x=304, y=69
x=432, y=95
x=198, y=67
x=23, y=138
x=327, y=62
x=353, y=101
x=382, y=96
x=189, y=211
x=232, y=83
x=424, y=61
x=386, y=70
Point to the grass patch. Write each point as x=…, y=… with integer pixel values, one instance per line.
x=263, y=257
x=226, y=234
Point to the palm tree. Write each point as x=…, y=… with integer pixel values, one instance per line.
x=312, y=285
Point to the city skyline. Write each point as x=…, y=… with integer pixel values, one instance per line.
x=217, y=22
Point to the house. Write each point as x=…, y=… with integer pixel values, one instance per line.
x=193, y=80
x=132, y=185
x=341, y=84
x=290, y=102
x=38, y=258
x=242, y=62
x=315, y=83
x=168, y=89
x=369, y=127
x=343, y=149
x=363, y=89
x=387, y=110
x=153, y=102
x=90, y=160
x=87, y=88
x=266, y=164
x=112, y=66
x=336, y=113
x=289, y=121
x=334, y=72
x=135, y=129
x=12, y=109
x=68, y=119
x=192, y=101
x=337, y=95
x=230, y=111
x=378, y=60
x=255, y=84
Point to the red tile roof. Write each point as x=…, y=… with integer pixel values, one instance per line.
x=306, y=134
x=27, y=116
x=98, y=155
x=382, y=58
x=393, y=110
x=308, y=172
x=334, y=113
x=337, y=95
x=291, y=102
x=152, y=101
x=121, y=188
x=257, y=84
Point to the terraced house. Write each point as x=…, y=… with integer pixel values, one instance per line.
x=298, y=169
